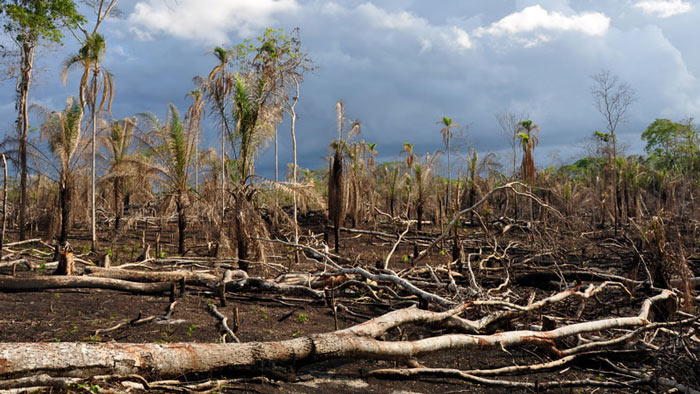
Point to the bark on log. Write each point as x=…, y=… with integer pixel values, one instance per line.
x=80, y=282
x=191, y=278
x=171, y=360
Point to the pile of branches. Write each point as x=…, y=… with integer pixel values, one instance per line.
x=583, y=317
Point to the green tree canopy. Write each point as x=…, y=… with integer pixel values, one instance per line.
x=34, y=20
x=671, y=145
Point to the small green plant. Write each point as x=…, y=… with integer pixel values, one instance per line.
x=442, y=253
x=404, y=258
x=42, y=267
x=85, y=387
x=191, y=330
x=296, y=333
x=262, y=312
x=110, y=253
x=302, y=318
x=165, y=336
x=162, y=255
x=72, y=331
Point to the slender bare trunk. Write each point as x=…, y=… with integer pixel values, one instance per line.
x=196, y=162
x=615, y=193
x=181, y=224
x=93, y=219
x=4, y=203
x=23, y=85
x=65, y=193
x=449, y=176
x=223, y=172
x=294, y=153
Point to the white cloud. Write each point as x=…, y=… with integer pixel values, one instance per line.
x=408, y=24
x=540, y=23
x=209, y=21
x=663, y=8
x=462, y=38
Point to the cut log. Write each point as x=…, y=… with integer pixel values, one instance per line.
x=80, y=282
x=74, y=359
x=191, y=278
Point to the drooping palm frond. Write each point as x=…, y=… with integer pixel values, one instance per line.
x=63, y=132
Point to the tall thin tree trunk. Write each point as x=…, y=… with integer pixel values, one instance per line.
x=277, y=178
x=449, y=176
x=181, y=225
x=196, y=164
x=615, y=193
x=223, y=172
x=93, y=219
x=294, y=164
x=64, y=194
x=118, y=210
x=28, y=51
x=4, y=203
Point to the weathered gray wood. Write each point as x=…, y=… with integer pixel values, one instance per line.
x=171, y=360
x=80, y=282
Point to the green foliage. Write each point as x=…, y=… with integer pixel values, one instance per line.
x=605, y=137
x=582, y=167
x=302, y=318
x=672, y=145
x=34, y=20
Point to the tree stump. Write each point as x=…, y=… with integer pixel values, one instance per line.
x=66, y=260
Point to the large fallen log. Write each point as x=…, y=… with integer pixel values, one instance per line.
x=173, y=360
x=190, y=278
x=80, y=282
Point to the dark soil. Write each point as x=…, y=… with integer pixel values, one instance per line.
x=76, y=315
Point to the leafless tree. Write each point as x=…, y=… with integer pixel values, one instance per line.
x=509, y=122
x=612, y=97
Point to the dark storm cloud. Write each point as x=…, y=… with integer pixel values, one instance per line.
x=400, y=65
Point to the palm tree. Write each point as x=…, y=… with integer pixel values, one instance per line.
x=123, y=165
x=218, y=87
x=173, y=146
x=528, y=141
x=246, y=112
x=62, y=129
x=447, y=135
x=95, y=82
x=193, y=120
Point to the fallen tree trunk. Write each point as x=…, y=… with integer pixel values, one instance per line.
x=171, y=360
x=190, y=278
x=81, y=282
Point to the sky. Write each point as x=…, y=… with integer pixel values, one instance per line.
x=400, y=65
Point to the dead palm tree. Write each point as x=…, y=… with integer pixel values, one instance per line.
x=447, y=135
x=408, y=160
x=173, y=146
x=62, y=130
x=337, y=204
x=193, y=120
x=527, y=133
x=95, y=83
